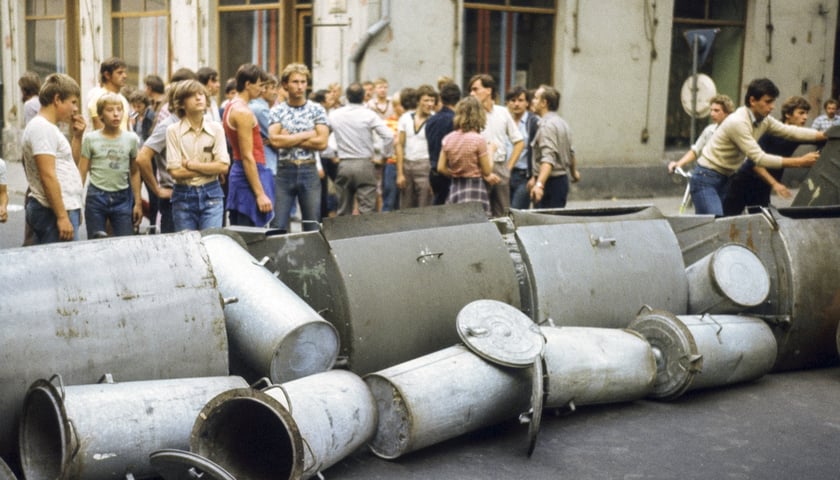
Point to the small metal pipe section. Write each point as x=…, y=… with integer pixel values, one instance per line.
x=287, y=431
x=586, y=366
x=272, y=332
x=442, y=395
x=703, y=351
x=106, y=431
x=729, y=280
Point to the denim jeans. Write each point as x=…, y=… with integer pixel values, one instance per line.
x=167, y=224
x=301, y=183
x=555, y=192
x=520, y=197
x=198, y=208
x=42, y=221
x=707, y=188
x=390, y=192
x=102, y=206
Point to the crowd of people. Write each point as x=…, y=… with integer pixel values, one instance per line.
x=272, y=150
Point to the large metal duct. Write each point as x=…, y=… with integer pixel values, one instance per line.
x=799, y=249
x=599, y=272
x=141, y=307
x=392, y=283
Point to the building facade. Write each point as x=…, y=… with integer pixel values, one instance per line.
x=619, y=65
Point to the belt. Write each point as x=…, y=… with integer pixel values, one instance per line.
x=300, y=163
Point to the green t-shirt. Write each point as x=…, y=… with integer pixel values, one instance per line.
x=109, y=159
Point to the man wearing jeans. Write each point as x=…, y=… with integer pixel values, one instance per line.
x=50, y=161
x=737, y=138
x=298, y=130
x=554, y=158
x=196, y=154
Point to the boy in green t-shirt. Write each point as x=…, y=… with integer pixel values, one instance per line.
x=108, y=156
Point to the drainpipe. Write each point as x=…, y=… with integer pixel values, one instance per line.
x=358, y=53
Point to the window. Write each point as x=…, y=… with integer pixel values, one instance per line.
x=140, y=30
x=268, y=33
x=46, y=37
x=249, y=35
x=723, y=64
x=511, y=42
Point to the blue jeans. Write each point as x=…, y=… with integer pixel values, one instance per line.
x=301, y=183
x=167, y=225
x=42, y=221
x=555, y=192
x=198, y=208
x=101, y=206
x=520, y=198
x=707, y=188
x=390, y=193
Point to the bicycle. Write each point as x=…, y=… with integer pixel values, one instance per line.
x=686, y=200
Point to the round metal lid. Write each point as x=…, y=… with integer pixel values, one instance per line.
x=174, y=464
x=675, y=350
x=500, y=333
x=740, y=275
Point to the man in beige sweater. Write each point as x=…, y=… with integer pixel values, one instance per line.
x=737, y=138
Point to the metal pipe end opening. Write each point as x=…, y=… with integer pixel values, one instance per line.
x=44, y=436
x=248, y=437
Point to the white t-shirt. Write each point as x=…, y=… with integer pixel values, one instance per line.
x=499, y=128
x=43, y=138
x=416, y=147
x=3, y=179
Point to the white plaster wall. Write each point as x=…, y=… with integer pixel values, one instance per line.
x=417, y=47
x=802, y=48
x=189, y=42
x=606, y=90
x=421, y=44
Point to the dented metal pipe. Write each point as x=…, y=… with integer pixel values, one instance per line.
x=586, y=366
x=272, y=332
x=287, y=431
x=141, y=307
x=442, y=395
x=107, y=430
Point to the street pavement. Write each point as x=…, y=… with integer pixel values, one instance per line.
x=782, y=426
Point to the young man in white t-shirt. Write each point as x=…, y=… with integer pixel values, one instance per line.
x=51, y=162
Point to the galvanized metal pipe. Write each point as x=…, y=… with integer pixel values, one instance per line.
x=599, y=273
x=272, y=331
x=703, y=351
x=442, y=395
x=374, y=277
x=106, y=431
x=141, y=307
x=6, y=473
x=585, y=366
x=287, y=431
x=801, y=256
x=729, y=280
